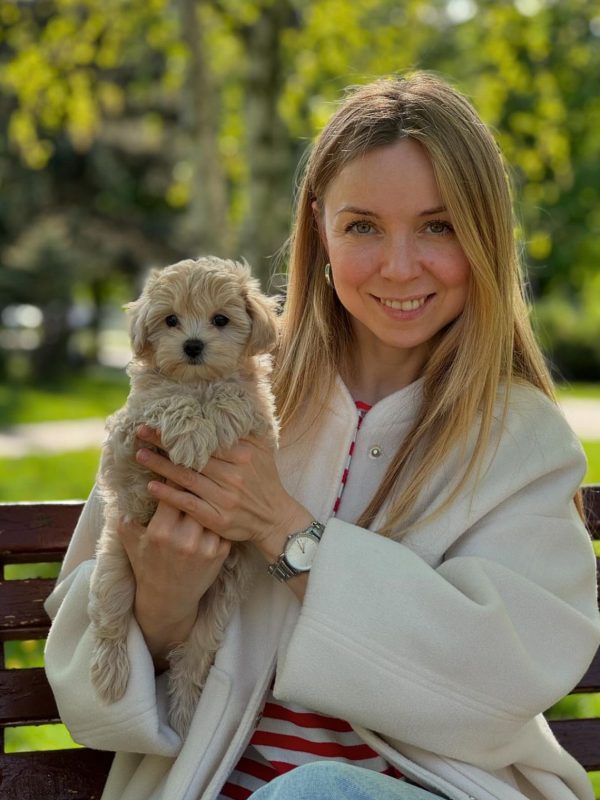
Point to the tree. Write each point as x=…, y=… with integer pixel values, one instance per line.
x=183, y=120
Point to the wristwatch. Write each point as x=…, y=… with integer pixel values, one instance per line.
x=298, y=554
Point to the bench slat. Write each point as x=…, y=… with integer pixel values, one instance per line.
x=74, y=774
x=26, y=698
x=49, y=527
x=22, y=610
x=581, y=737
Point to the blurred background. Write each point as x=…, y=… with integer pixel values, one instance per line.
x=137, y=132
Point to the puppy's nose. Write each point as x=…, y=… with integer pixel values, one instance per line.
x=193, y=347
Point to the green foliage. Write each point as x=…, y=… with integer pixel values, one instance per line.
x=569, y=330
x=68, y=59
x=134, y=122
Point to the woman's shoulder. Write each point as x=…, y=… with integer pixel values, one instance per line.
x=533, y=425
x=529, y=406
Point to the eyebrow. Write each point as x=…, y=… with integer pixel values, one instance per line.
x=428, y=212
x=355, y=210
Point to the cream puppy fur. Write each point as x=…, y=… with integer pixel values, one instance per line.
x=197, y=332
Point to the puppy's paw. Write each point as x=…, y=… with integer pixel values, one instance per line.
x=109, y=670
x=194, y=449
x=184, y=696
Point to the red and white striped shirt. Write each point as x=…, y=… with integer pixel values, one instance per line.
x=288, y=736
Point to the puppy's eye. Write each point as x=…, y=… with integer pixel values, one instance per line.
x=220, y=320
x=172, y=321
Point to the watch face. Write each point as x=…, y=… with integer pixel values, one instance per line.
x=300, y=552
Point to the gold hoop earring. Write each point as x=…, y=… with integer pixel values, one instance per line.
x=327, y=273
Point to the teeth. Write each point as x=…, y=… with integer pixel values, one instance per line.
x=403, y=305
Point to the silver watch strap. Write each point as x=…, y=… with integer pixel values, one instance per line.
x=282, y=569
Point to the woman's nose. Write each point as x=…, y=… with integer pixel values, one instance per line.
x=401, y=260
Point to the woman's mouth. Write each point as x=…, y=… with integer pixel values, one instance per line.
x=404, y=309
x=411, y=304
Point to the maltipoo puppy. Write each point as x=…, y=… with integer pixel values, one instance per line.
x=197, y=332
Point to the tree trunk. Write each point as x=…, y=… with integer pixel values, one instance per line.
x=266, y=223
x=204, y=227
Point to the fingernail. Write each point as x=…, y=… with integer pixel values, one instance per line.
x=142, y=455
x=153, y=486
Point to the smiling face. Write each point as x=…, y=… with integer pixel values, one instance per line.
x=397, y=266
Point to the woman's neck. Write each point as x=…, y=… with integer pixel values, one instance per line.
x=370, y=380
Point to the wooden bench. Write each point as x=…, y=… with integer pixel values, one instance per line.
x=40, y=532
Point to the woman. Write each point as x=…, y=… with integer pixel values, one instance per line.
x=425, y=587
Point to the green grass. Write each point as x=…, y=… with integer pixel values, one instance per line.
x=37, y=737
x=592, y=451
x=579, y=390
x=62, y=476
x=94, y=394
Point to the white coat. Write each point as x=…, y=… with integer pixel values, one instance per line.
x=442, y=648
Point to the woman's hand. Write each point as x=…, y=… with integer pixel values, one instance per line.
x=238, y=494
x=174, y=561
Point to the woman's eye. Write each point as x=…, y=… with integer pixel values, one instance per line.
x=172, y=321
x=220, y=320
x=439, y=226
x=361, y=227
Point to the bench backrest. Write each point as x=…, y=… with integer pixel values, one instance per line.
x=32, y=533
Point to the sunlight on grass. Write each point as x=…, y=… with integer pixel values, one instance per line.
x=576, y=706
x=65, y=476
x=38, y=737
x=592, y=452
x=579, y=390
x=96, y=394
x=15, y=572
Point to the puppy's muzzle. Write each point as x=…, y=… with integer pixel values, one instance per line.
x=193, y=349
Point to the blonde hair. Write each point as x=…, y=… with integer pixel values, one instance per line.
x=468, y=366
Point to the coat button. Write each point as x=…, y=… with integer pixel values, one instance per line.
x=375, y=451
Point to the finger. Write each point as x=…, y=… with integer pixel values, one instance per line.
x=164, y=466
x=148, y=434
x=187, y=503
x=165, y=518
x=214, y=546
x=129, y=530
x=178, y=476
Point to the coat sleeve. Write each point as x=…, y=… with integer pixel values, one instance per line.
x=457, y=657
x=137, y=722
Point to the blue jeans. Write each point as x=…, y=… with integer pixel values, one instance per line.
x=332, y=780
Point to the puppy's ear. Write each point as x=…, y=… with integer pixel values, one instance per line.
x=139, y=311
x=263, y=312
